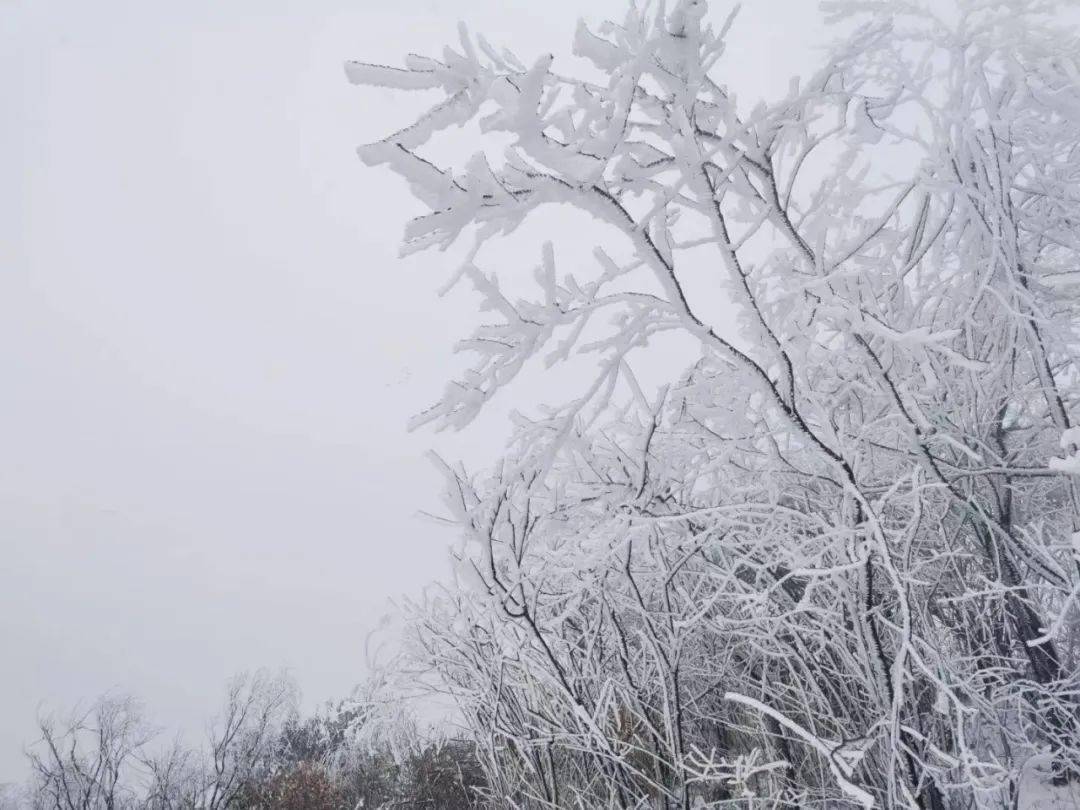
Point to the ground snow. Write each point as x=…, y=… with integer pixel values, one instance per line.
x=1037, y=792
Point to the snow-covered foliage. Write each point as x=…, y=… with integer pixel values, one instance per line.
x=832, y=562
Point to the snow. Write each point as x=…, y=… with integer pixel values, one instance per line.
x=798, y=528
x=1037, y=792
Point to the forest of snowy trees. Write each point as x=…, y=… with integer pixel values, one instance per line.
x=806, y=534
x=834, y=560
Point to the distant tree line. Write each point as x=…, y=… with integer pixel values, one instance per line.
x=258, y=753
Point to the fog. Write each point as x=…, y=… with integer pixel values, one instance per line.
x=209, y=347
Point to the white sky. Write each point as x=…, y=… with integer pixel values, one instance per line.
x=208, y=347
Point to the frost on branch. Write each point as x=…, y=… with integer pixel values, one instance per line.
x=1070, y=443
x=852, y=511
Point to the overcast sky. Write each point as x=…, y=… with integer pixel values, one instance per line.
x=208, y=346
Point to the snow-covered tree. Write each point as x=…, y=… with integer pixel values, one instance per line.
x=834, y=559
